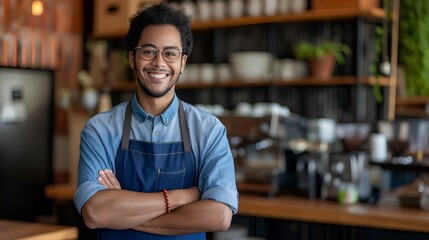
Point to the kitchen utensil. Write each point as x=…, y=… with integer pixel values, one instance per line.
x=321, y=129
x=352, y=135
x=385, y=67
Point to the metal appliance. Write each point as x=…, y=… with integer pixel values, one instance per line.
x=26, y=130
x=257, y=146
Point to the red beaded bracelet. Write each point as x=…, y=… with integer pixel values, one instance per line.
x=167, y=201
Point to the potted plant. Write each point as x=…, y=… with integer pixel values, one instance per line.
x=322, y=57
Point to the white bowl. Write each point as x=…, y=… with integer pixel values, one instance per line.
x=251, y=66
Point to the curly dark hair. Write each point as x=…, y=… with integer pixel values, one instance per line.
x=160, y=14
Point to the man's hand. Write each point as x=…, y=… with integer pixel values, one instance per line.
x=108, y=179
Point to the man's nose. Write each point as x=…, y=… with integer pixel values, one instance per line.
x=159, y=60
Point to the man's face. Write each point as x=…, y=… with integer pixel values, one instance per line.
x=157, y=77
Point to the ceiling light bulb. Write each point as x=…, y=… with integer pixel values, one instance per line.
x=37, y=8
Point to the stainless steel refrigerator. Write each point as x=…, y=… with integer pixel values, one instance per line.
x=26, y=136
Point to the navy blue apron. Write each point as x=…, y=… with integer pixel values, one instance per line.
x=151, y=167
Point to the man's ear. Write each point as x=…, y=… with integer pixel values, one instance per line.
x=184, y=58
x=131, y=59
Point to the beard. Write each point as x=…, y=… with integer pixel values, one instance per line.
x=157, y=94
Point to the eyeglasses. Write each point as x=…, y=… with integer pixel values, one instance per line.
x=149, y=53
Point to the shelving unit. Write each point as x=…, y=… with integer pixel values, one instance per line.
x=349, y=92
x=273, y=34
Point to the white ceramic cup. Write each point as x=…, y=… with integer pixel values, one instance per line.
x=270, y=7
x=204, y=10
x=207, y=73
x=224, y=72
x=284, y=6
x=378, y=144
x=298, y=6
x=254, y=8
x=236, y=8
x=192, y=72
x=219, y=9
x=243, y=109
x=189, y=8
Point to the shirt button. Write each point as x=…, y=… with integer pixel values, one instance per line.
x=149, y=118
x=156, y=133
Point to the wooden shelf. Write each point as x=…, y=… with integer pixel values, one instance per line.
x=310, y=15
x=412, y=101
x=343, y=80
x=412, y=106
x=230, y=84
x=335, y=81
x=410, y=112
x=346, y=80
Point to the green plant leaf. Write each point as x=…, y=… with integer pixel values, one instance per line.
x=308, y=51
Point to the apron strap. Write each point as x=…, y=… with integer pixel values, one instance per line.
x=127, y=128
x=184, y=128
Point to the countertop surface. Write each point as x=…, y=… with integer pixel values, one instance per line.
x=302, y=209
x=319, y=211
x=35, y=231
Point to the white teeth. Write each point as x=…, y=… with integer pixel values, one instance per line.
x=152, y=75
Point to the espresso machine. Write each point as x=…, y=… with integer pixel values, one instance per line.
x=313, y=162
x=257, y=145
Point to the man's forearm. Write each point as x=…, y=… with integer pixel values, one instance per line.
x=121, y=209
x=201, y=216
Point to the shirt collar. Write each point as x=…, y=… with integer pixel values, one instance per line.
x=166, y=116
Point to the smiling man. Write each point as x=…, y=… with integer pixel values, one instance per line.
x=156, y=167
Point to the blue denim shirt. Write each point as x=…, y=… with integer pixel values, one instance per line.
x=101, y=138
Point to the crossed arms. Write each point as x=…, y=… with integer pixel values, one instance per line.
x=115, y=208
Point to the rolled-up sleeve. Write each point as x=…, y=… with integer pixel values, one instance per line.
x=84, y=192
x=223, y=195
x=217, y=176
x=92, y=159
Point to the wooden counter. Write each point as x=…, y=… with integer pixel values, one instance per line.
x=318, y=211
x=360, y=215
x=35, y=231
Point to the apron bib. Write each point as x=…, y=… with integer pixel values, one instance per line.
x=151, y=167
